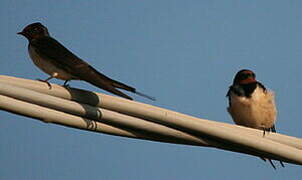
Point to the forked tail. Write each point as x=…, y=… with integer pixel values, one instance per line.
x=144, y=95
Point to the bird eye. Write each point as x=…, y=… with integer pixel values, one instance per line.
x=35, y=30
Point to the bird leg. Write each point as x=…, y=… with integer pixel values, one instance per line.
x=66, y=83
x=273, y=128
x=46, y=81
x=268, y=130
x=265, y=130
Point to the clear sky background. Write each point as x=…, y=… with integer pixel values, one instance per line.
x=185, y=53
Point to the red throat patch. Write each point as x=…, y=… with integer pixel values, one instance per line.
x=248, y=80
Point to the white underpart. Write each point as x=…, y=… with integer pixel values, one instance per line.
x=258, y=111
x=46, y=66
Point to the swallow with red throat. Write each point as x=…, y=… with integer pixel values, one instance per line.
x=57, y=61
x=251, y=104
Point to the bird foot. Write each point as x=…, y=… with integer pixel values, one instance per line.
x=45, y=81
x=266, y=130
x=66, y=85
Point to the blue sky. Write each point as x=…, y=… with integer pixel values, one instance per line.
x=185, y=53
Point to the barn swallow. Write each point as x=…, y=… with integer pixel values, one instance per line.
x=251, y=104
x=57, y=61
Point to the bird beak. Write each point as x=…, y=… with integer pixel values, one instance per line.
x=21, y=33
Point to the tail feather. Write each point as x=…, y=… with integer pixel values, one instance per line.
x=122, y=86
x=101, y=81
x=131, y=89
x=146, y=96
x=96, y=78
x=119, y=93
x=110, y=88
x=281, y=163
x=273, y=129
x=271, y=162
x=113, y=82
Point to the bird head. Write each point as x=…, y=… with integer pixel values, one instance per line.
x=34, y=30
x=245, y=76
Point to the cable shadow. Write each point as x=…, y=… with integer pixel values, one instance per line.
x=89, y=101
